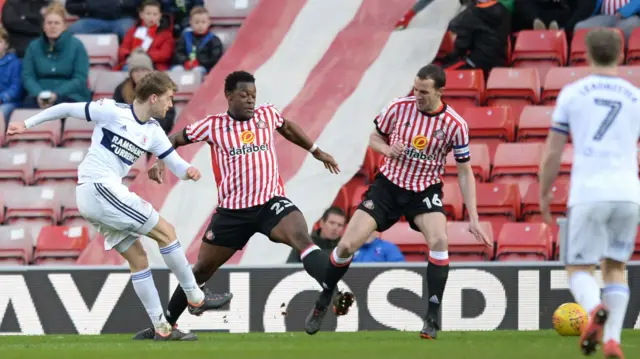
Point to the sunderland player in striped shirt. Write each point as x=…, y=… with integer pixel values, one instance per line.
x=415, y=134
x=251, y=196
x=600, y=112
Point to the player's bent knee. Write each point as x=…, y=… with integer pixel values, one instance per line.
x=439, y=243
x=136, y=256
x=202, y=273
x=164, y=233
x=347, y=248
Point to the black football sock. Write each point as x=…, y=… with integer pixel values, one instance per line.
x=336, y=269
x=315, y=262
x=177, y=305
x=437, y=274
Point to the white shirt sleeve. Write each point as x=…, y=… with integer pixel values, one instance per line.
x=560, y=116
x=57, y=112
x=162, y=148
x=101, y=111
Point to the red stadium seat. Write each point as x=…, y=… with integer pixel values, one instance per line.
x=77, y=130
x=188, y=83
x=498, y=199
x=578, y=55
x=16, y=165
x=464, y=88
x=224, y=12
x=56, y=243
x=524, y=241
x=371, y=164
x=490, y=122
x=226, y=34
x=453, y=203
x=631, y=74
x=557, y=78
x=46, y=134
x=480, y=162
x=342, y=200
x=541, y=49
x=102, y=49
x=16, y=245
x=40, y=202
x=94, y=254
x=411, y=243
x=531, y=201
x=513, y=87
x=517, y=159
x=633, y=48
x=535, y=122
x=355, y=192
x=107, y=82
x=446, y=46
x=58, y=164
x=463, y=246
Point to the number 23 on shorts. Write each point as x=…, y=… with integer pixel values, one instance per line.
x=280, y=205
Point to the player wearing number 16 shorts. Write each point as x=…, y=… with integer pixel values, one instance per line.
x=251, y=195
x=415, y=134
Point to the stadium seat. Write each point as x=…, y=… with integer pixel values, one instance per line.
x=94, y=254
x=534, y=124
x=107, y=82
x=410, y=242
x=77, y=130
x=452, y=203
x=446, y=46
x=370, y=164
x=541, y=49
x=16, y=245
x=463, y=246
x=58, y=164
x=631, y=74
x=524, y=241
x=226, y=34
x=46, y=134
x=188, y=83
x=355, y=192
x=16, y=165
x=224, y=12
x=480, y=162
x=490, y=122
x=102, y=49
x=557, y=78
x=37, y=202
x=93, y=77
x=531, y=201
x=578, y=55
x=633, y=48
x=517, y=159
x=513, y=87
x=342, y=200
x=60, y=243
x=464, y=88
x=498, y=199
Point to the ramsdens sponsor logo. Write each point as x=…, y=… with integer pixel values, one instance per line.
x=248, y=149
x=121, y=147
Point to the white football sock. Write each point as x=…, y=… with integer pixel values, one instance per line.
x=148, y=293
x=177, y=262
x=585, y=290
x=615, y=298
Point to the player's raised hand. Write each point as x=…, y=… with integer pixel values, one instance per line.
x=545, y=207
x=156, y=171
x=476, y=230
x=16, y=128
x=328, y=161
x=396, y=149
x=193, y=173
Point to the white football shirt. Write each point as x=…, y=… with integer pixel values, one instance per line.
x=118, y=141
x=602, y=114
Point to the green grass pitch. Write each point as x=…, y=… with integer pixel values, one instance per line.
x=324, y=345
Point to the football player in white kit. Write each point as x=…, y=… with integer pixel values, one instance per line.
x=600, y=112
x=122, y=134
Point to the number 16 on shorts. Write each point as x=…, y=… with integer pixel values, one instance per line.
x=432, y=202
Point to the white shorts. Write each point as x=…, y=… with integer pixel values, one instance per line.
x=118, y=214
x=601, y=230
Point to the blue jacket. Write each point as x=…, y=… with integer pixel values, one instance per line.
x=10, y=81
x=632, y=8
x=378, y=250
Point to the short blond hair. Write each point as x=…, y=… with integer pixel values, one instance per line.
x=154, y=83
x=55, y=8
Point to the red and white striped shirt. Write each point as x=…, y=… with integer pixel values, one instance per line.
x=428, y=139
x=610, y=7
x=243, y=155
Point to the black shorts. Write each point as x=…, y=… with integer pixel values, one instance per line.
x=386, y=202
x=232, y=228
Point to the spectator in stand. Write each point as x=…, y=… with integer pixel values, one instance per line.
x=10, y=82
x=421, y=4
x=623, y=14
x=139, y=64
x=328, y=235
x=197, y=49
x=540, y=14
x=103, y=17
x=178, y=12
x=56, y=65
x=23, y=21
x=152, y=34
x=481, y=38
x=377, y=249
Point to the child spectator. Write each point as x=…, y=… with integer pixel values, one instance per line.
x=56, y=65
x=197, y=49
x=151, y=34
x=10, y=82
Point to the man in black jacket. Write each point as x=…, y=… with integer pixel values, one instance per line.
x=23, y=21
x=103, y=17
x=328, y=235
x=481, y=38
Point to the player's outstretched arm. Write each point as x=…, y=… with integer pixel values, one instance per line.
x=56, y=112
x=549, y=168
x=178, y=139
x=467, y=183
x=379, y=144
x=294, y=134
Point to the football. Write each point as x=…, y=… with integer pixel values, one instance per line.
x=569, y=319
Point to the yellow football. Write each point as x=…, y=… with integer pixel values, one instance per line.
x=569, y=319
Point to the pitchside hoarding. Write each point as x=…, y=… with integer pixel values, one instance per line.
x=480, y=297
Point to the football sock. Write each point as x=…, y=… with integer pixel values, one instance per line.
x=437, y=274
x=314, y=262
x=336, y=269
x=585, y=290
x=177, y=262
x=148, y=293
x=177, y=305
x=615, y=298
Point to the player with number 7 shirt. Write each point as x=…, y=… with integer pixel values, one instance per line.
x=251, y=196
x=415, y=134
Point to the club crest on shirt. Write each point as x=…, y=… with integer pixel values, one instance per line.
x=261, y=124
x=368, y=204
x=439, y=135
x=209, y=235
